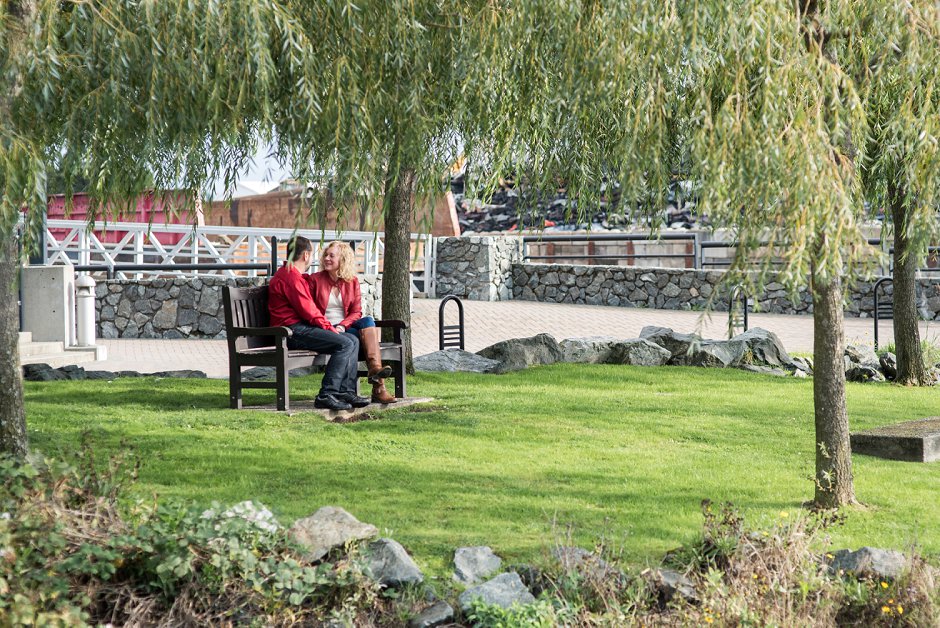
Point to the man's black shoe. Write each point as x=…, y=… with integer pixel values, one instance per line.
x=330, y=402
x=354, y=400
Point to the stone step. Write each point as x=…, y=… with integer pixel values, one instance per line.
x=39, y=348
x=25, y=337
x=65, y=358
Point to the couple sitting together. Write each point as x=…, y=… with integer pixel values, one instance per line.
x=324, y=310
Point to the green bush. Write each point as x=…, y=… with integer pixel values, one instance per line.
x=69, y=555
x=543, y=613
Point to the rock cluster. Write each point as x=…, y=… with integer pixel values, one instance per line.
x=756, y=350
x=332, y=529
x=45, y=373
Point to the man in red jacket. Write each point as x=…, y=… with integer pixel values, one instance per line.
x=291, y=305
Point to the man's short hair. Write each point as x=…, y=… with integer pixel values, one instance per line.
x=297, y=246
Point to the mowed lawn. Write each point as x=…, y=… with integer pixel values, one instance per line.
x=517, y=461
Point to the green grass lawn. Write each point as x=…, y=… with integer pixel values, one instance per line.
x=620, y=453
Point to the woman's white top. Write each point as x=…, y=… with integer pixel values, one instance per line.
x=335, y=312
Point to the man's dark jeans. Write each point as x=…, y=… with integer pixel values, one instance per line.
x=340, y=375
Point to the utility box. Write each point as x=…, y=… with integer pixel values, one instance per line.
x=49, y=303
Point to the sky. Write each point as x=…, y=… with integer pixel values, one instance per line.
x=263, y=168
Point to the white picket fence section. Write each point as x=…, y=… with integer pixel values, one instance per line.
x=77, y=243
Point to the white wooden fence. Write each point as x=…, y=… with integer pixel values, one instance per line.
x=109, y=245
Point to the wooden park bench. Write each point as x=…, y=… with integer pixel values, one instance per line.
x=253, y=342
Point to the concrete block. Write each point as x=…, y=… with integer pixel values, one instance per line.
x=913, y=441
x=49, y=303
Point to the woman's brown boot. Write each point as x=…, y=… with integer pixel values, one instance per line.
x=369, y=339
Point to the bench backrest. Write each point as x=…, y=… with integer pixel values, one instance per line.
x=247, y=307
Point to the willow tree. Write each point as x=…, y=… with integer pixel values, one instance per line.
x=374, y=112
x=127, y=94
x=892, y=52
x=751, y=101
x=779, y=129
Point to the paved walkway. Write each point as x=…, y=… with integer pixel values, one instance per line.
x=487, y=323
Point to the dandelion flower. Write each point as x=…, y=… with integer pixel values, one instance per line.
x=885, y=609
x=884, y=585
x=900, y=610
x=784, y=514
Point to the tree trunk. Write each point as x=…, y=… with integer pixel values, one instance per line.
x=834, y=485
x=911, y=368
x=396, y=276
x=20, y=14
x=12, y=414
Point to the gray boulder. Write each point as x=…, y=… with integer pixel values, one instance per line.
x=712, y=353
x=327, y=528
x=638, y=352
x=105, y=375
x=764, y=348
x=73, y=371
x=181, y=374
x=42, y=373
x=803, y=364
x=869, y=562
x=504, y=591
x=454, y=360
x=587, y=350
x=389, y=564
x=519, y=353
x=862, y=355
x=768, y=370
x=669, y=584
x=677, y=344
x=889, y=365
x=863, y=373
x=473, y=564
x=437, y=614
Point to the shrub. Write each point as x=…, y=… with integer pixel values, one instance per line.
x=70, y=556
x=775, y=574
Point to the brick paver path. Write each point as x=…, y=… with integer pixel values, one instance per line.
x=487, y=323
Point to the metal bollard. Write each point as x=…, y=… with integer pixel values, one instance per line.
x=85, y=304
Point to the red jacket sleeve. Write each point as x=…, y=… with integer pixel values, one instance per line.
x=299, y=296
x=352, y=303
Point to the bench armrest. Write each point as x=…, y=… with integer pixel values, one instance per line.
x=285, y=332
x=392, y=323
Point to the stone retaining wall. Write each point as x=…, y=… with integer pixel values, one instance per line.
x=477, y=267
x=182, y=307
x=680, y=289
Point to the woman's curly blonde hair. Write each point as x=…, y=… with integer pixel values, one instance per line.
x=347, y=260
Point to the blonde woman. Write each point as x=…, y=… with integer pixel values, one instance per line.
x=335, y=290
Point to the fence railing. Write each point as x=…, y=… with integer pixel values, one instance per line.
x=683, y=250
x=126, y=249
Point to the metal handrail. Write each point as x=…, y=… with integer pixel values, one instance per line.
x=697, y=256
x=446, y=333
x=877, y=305
x=112, y=269
x=737, y=294
x=612, y=237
